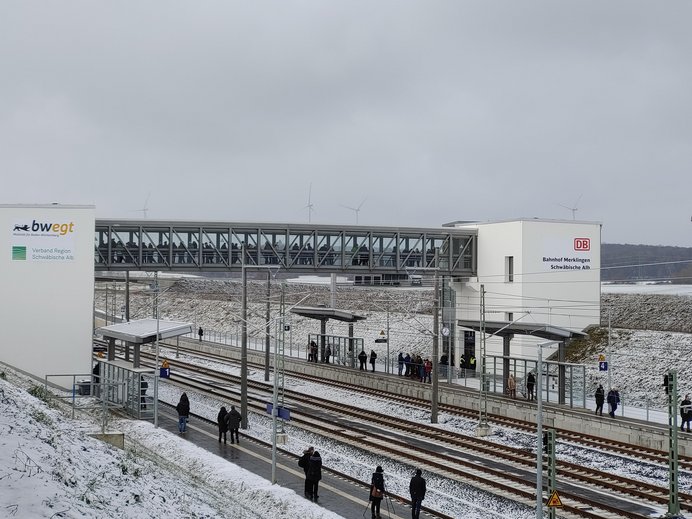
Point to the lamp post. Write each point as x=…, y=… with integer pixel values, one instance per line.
x=156, y=365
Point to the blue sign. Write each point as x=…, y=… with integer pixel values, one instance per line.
x=282, y=412
x=602, y=366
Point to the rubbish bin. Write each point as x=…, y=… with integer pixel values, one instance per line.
x=84, y=387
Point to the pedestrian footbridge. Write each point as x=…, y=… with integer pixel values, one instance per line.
x=382, y=254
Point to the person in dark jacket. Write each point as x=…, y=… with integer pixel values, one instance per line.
x=304, y=463
x=400, y=359
x=530, y=384
x=600, y=398
x=686, y=413
x=314, y=474
x=200, y=332
x=613, y=401
x=373, y=356
x=363, y=359
x=233, y=419
x=221, y=422
x=417, y=490
x=183, y=409
x=376, y=491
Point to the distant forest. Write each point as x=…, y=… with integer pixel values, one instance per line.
x=655, y=263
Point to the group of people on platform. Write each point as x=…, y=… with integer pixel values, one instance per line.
x=363, y=358
x=613, y=399
x=311, y=463
x=413, y=366
x=313, y=352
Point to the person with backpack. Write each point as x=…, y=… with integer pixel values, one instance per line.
x=304, y=463
x=613, y=401
x=183, y=409
x=233, y=419
x=417, y=490
x=314, y=474
x=376, y=491
x=373, y=357
x=221, y=422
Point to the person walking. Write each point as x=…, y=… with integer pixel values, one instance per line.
x=686, y=413
x=613, y=401
x=417, y=490
x=183, y=409
x=400, y=359
x=200, y=332
x=530, y=384
x=233, y=419
x=314, y=474
x=363, y=359
x=511, y=386
x=373, y=357
x=221, y=422
x=376, y=492
x=304, y=463
x=600, y=398
x=327, y=353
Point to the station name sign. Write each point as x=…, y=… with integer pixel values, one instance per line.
x=575, y=259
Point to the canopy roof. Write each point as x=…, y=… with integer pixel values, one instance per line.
x=323, y=313
x=506, y=328
x=143, y=331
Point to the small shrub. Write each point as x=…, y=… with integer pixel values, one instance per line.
x=39, y=392
x=2, y=375
x=41, y=417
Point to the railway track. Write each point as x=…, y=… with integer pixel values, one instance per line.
x=515, y=474
x=625, y=450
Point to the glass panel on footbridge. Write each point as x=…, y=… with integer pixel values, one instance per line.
x=273, y=247
x=125, y=245
x=186, y=246
x=357, y=250
x=301, y=248
x=329, y=249
x=410, y=250
x=155, y=246
x=215, y=247
x=384, y=250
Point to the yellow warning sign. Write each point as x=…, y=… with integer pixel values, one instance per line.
x=554, y=500
x=601, y=358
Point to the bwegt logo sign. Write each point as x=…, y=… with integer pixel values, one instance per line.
x=582, y=244
x=45, y=228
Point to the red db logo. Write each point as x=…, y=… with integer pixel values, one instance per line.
x=582, y=243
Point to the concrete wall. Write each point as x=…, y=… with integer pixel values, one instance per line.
x=47, y=280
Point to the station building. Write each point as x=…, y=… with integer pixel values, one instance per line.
x=531, y=272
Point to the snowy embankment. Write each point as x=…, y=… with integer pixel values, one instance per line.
x=51, y=467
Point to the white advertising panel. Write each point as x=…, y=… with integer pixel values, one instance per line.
x=47, y=279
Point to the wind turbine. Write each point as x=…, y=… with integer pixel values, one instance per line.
x=144, y=209
x=310, y=206
x=355, y=209
x=574, y=209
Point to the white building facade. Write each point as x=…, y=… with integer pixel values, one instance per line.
x=532, y=271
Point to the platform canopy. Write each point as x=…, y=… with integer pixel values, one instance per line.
x=143, y=331
x=324, y=313
x=507, y=328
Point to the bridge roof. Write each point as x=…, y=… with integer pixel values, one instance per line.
x=507, y=328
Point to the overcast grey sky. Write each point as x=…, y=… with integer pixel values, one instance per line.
x=430, y=111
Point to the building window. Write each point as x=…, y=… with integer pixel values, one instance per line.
x=509, y=317
x=509, y=269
